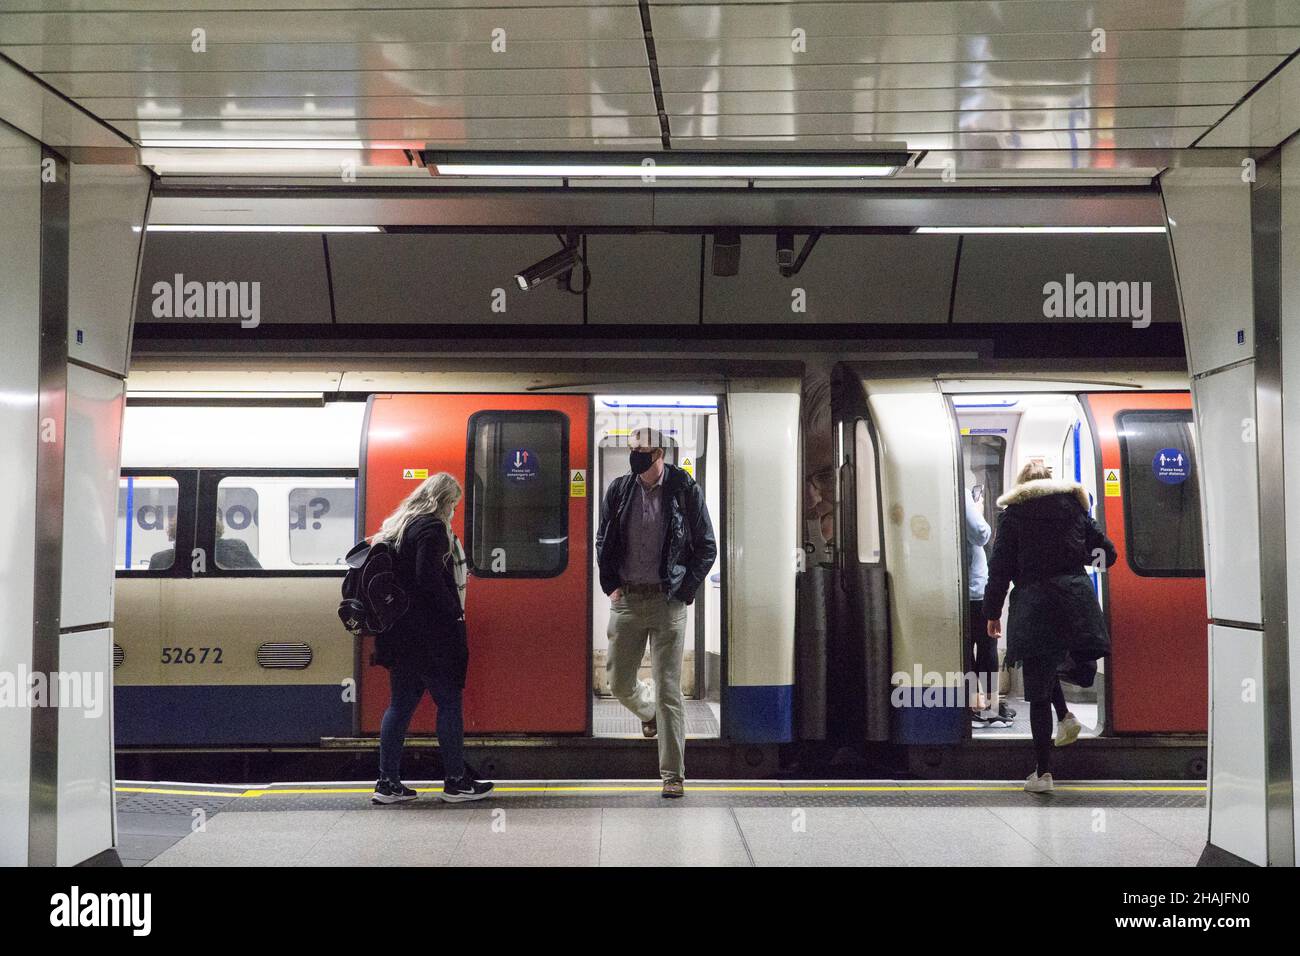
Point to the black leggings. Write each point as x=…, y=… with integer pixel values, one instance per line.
x=1045, y=694
x=984, y=648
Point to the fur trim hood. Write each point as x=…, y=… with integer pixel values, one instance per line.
x=1043, y=488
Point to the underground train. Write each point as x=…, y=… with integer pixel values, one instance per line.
x=838, y=596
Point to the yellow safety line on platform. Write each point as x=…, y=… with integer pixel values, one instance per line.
x=578, y=789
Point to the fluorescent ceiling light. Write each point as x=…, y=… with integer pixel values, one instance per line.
x=160, y=227
x=1012, y=230
x=697, y=164
x=253, y=144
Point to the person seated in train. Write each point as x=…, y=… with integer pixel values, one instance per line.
x=654, y=547
x=1045, y=539
x=427, y=648
x=164, y=559
x=985, y=710
x=232, y=553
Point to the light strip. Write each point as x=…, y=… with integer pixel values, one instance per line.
x=1014, y=230
x=662, y=171
x=160, y=227
x=253, y=144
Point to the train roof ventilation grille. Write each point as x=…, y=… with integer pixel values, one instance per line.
x=118, y=655
x=284, y=655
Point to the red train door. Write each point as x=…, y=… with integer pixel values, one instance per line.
x=524, y=523
x=1158, y=672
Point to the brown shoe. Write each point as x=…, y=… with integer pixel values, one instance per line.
x=674, y=788
x=650, y=727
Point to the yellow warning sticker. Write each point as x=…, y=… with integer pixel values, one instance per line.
x=688, y=466
x=966, y=430
x=415, y=474
x=1112, y=482
x=577, y=483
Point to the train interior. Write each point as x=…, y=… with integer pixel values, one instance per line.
x=999, y=435
x=690, y=426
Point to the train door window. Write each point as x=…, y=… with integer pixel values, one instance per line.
x=1162, y=494
x=865, y=490
x=985, y=460
x=147, y=515
x=322, y=523
x=237, y=531
x=517, y=508
x=614, y=459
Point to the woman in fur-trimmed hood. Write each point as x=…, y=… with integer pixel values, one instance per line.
x=1045, y=539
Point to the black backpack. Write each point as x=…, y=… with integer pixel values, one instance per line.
x=373, y=596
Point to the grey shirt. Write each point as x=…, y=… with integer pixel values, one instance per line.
x=644, y=533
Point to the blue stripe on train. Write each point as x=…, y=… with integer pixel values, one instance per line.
x=229, y=714
x=918, y=723
x=759, y=714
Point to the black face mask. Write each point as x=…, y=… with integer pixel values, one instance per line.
x=641, y=461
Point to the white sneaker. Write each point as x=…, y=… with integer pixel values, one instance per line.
x=1036, y=784
x=1067, y=730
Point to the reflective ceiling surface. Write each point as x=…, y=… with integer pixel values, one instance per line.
x=238, y=87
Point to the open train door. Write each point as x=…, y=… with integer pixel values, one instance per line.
x=1158, y=675
x=523, y=462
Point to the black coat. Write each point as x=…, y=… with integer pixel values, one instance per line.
x=430, y=636
x=689, y=546
x=1044, y=540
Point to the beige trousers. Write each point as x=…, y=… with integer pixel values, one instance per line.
x=635, y=619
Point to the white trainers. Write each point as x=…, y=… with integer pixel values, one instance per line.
x=1036, y=784
x=1067, y=730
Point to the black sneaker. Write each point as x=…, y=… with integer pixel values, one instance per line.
x=465, y=789
x=392, y=791
x=1005, y=711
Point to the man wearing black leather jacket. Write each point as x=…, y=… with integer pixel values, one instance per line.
x=654, y=547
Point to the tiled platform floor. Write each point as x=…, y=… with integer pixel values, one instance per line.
x=614, y=823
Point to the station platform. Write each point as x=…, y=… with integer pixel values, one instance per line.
x=628, y=823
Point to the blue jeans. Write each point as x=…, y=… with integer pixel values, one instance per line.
x=407, y=686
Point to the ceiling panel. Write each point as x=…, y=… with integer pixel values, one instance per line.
x=768, y=18
x=998, y=76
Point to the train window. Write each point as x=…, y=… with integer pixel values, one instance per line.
x=1162, y=494
x=868, y=501
x=985, y=460
x=322, y=523
x=517, y=507
x=237, y=526
x=147, y=542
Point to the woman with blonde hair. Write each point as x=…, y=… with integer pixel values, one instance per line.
x=1045, y=538
x=426, y=649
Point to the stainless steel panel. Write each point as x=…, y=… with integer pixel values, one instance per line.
x=108, y=208
x=443, y=108
x=883, y=279
x=462, y=279
x=952, y=100
x=596, y=129
x=414, y=82
x=1266, y=228
x=1237, y=764
x=289, y=271
x=85, y=795
x=271, y=24
x=648, y=279
x=95, y=405
x=359, y=54
x=802, y=76
x=847, y=120
x=1002, y=278
x=765, y=18
x=1208, y=211
x=20, y=270
x=47, y=561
